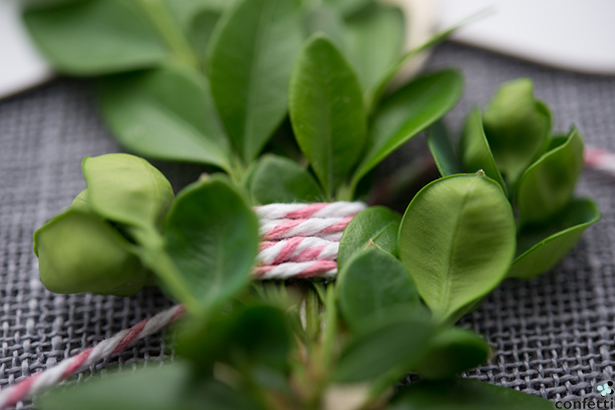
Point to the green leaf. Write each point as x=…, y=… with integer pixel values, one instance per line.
x=327, y=20
x=281, y=180
x=165, y=114
x=250, y=337
x=186, y=11
x=200, y=33
x=79, y=252
x=465, y=394
x=548, y=185
x=375, y=38
x=127, y=189
x=516, y=126
x=539, y=248
x=406, y=113
x=373, y=95
x=370, y=285
x=154, y=388
x=395, y=346
x=377, y=224
x=475, y=151
x=252, y=52
x=452, y=352
x=326, y=111
x=347, y=7
x=82, y=202
x=457, y=240
x=95, y=37
x=212, y=236
x=444, y=155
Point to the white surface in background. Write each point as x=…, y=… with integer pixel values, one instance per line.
x=21, y=67
x=576, y=35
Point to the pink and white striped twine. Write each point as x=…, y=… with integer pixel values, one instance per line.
x=299, y=240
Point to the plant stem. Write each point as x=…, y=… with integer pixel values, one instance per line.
x=346, y=192
x=312, y=318
x=330, y=327
x=169, y=31
x=155, y=257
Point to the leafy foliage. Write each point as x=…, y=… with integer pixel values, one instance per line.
x=376, y=225
x=95, y=37
x=457, y=240
x=513, y=144
x=326, y=110
x=143, y=109
x=229, y=84
x=281, y=180
x=250, y=60
x=464, y=394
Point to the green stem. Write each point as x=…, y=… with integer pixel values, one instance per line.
x=345, y=192
x=312, y=318
x=330, y=327
x=155, y=257
x=169, y=31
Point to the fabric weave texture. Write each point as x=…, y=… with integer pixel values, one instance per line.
x=553, y=336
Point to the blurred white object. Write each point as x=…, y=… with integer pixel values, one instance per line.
x=21, y=67
x=576, y=35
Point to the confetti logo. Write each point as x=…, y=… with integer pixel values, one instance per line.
x=605, y=388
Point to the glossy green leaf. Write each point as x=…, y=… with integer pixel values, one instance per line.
x=153, y=388
x=165, y=114
x=95, y=37
x=212, y=236
x=347, y=7
x=127, y=189
x=457, y=240
x=251, y=337
x=281, y=180
x=444, y=155
x=452, y=352
x=376, y=224
x=395, y=346
x=475, y=151
x=548, y=185
x=465, y=394
x=539, y=248
x=252, y=53
x=79, y=252
x=406, y=113
x=326, y=111
x=375, y=39
x=516, y=126
x=370, y=285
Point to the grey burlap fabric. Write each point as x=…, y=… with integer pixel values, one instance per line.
x=552, y=336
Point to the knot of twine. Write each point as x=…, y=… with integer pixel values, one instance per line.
x=299, y=240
